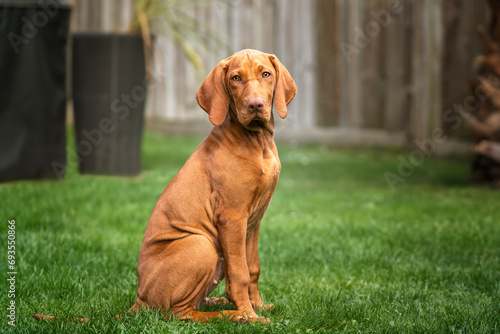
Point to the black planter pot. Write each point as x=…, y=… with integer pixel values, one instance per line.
x=109, y=94
x=33, y=89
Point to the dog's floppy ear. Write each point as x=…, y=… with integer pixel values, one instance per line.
x=285, y=87
x=212, y=96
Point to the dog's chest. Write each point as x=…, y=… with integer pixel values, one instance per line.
x=269, y=172
x=270, y=167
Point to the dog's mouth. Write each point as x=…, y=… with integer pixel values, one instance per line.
x=256, y=123
x=259, y=125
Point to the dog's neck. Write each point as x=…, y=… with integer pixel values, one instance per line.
x=235, y=131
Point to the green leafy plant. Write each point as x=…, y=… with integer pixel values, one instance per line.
x=171, y=19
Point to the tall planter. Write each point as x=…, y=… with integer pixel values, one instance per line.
x=109, y=94
x=33, y=89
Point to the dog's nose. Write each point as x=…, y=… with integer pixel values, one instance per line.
x=255, y=104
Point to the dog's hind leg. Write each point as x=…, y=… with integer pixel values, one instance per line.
x=178, y=274
x=177, y=279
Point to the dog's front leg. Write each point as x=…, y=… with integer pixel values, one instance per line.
x=253, y=267
x=254, y=270
x=232, y=237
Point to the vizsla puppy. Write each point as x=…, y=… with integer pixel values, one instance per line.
x=205, y=225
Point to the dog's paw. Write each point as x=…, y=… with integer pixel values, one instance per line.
x=216, y=301
x=244, y=318
x=262, y=307
x=249, y=317
x=265, y=321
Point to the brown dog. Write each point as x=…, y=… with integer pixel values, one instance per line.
x=206, y=223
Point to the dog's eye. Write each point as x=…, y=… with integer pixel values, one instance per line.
x=266, y=74
x=236, y=78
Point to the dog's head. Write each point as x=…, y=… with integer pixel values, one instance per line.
x=247, y=82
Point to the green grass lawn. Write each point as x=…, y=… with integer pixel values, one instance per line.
x=340, y=251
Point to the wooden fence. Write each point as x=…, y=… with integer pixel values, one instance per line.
x=367, y=71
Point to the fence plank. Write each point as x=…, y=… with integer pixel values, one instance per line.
x=328, y=61
x=398, y=46
x=352, y=114
x=462, y=44
x=427, y=50
x=268, y=13
x=95, y=14
x=374, y=74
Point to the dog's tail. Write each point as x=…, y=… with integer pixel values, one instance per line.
x=134, y=308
